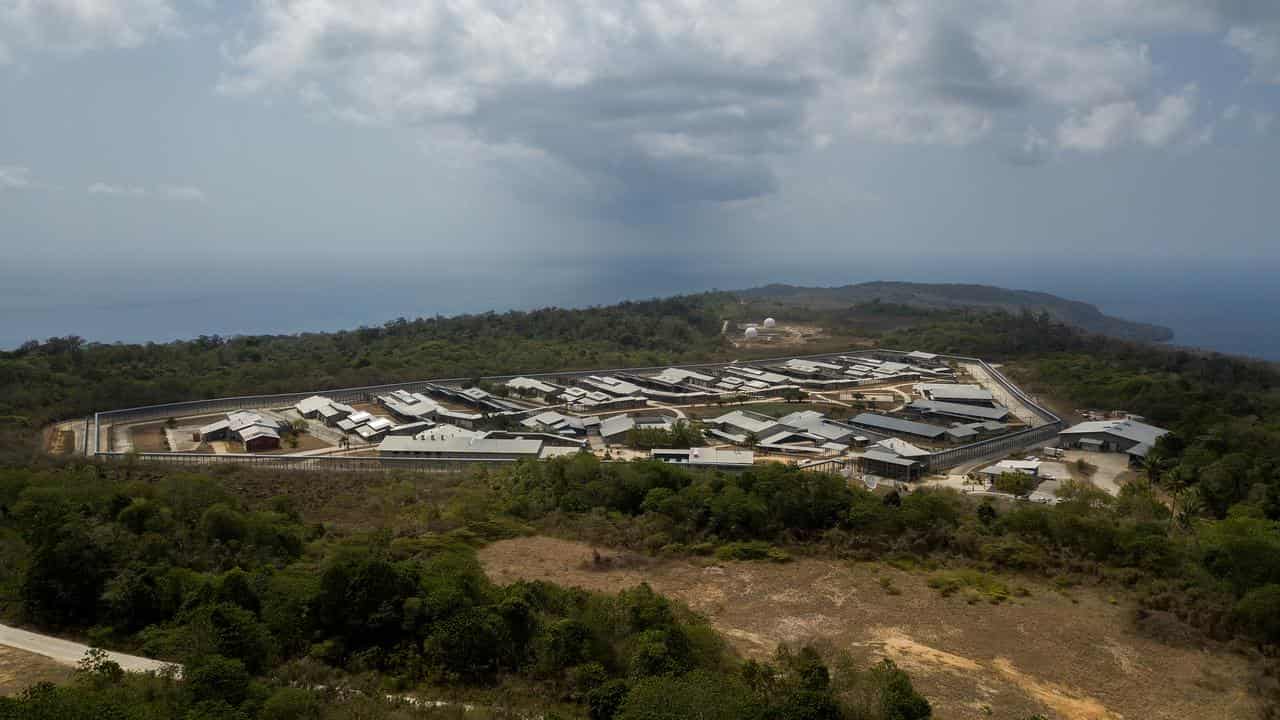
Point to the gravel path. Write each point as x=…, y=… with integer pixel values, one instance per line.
x=67, y=652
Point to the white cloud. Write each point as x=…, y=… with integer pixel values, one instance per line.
x=183, y=192
x=1230, y=112
x=1034, y=149
x=609, y=88
x=15, y=177
x=74, y=26
x=101, y=188
x=1119, y=123
x=188, y=193
x=1263, y=122
x=1261, y=44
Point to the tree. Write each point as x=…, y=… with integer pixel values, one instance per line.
x=987, y=513
x=214, y=678
x=291, y=704
x=698, y=694
x=1258, y=613
x=1243, y=551
x=898, y=699
x=1017, y=484
x=65, y=579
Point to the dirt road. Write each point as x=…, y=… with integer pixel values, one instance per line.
x=66, y=652
x=1004, y=397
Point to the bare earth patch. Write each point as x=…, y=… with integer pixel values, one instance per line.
x=20, y=670
x=1038, y=654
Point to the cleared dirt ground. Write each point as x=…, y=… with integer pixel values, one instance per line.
x=20, y=670
x=149, y=437
x=1038, y=654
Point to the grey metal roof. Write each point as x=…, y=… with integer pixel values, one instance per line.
x=550, y=418
x=1141, y=449
x=999, y=412
x=312, y=404
x=242, y=419
x=461, y=445
x=524, y=383
x=892, y=424
x=215, y=427
x=902, y=448
x=758, y=374
x=801, y=418
x=368, y=432
x=780, y=436
x=952, y=391
x=551, y=451
x=679, y=375
x=746, y=421
x=706, y=456
x=888, y=458
x=257, y=431
x=814, y=422
x=616, y=425
x=731, y=437
x=1131, y=430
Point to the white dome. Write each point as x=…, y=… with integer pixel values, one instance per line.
x=769, y=322
x=752, y=333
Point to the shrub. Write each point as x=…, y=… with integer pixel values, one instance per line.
x=754, y=550
x=978, y=585
x=291, y=704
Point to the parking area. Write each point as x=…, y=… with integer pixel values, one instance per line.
x=1112, y=471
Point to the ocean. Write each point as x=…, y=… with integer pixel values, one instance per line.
x=1231, y=311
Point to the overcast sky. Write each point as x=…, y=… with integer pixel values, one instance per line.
x=808, y=136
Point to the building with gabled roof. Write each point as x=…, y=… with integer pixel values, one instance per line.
x=615, y=428
x=1125, y=435
x=968, y=394
x=532, y=386
x=311, y=407
x=885, y=423
x=886, y=464
x=814, y=422
x=901, y=448
x=461, y=447
x=996, y=412
x=255, y=430
x=745, y=422
x=679, y=376
x=705, y=457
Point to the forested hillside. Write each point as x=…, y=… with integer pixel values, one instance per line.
x=272, y=616
x=255, y=596
x=67, y=377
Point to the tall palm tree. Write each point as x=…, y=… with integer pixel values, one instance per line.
x=1155, y=464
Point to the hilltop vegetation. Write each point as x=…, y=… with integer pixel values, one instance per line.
x=68, y=377
x=954, y=297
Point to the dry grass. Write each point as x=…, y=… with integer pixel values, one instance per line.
x=1036, y=653
x=20, y=670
